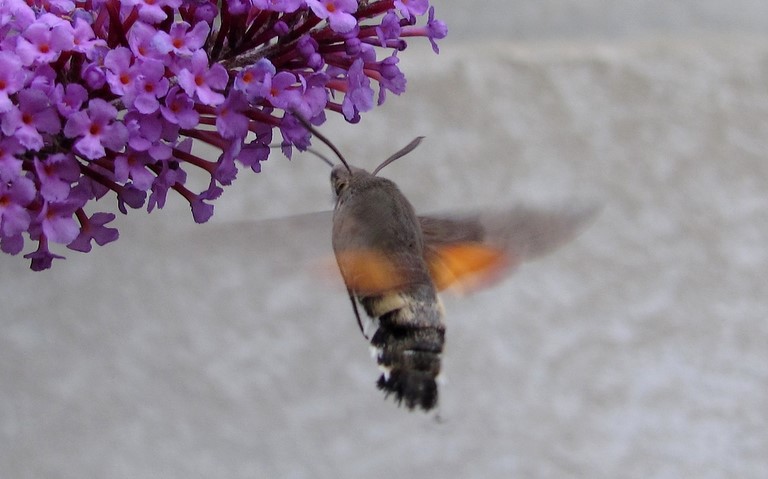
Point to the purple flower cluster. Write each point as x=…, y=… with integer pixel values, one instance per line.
x=103, y=97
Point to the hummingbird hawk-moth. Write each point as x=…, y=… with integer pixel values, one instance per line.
x=394, y=262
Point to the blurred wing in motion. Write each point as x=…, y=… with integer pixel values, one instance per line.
x=467, y=252
x=466, y=266
x=464, y=252
x=369, y=272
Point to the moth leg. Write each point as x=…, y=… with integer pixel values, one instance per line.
x=357, y=313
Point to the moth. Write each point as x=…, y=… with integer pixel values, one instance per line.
x=394, y=263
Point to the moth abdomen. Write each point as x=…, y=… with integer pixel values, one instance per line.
x=409, y=343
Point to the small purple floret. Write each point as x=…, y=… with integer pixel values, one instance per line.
x=93, y=229
x=338, y=13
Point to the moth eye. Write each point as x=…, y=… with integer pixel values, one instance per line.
x=338, y=182
x=339, y=185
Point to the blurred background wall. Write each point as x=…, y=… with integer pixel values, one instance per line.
x=638, y=350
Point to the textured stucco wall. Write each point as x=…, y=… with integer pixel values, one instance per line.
x=638, y=350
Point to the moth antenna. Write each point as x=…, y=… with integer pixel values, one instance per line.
x=321, y=156
x=322, y=138
x=310, y=150
x=403, y=151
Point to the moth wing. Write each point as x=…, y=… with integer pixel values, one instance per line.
x=466, y=252
x=466, y=266
x=369, y=272
x=288, y=243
